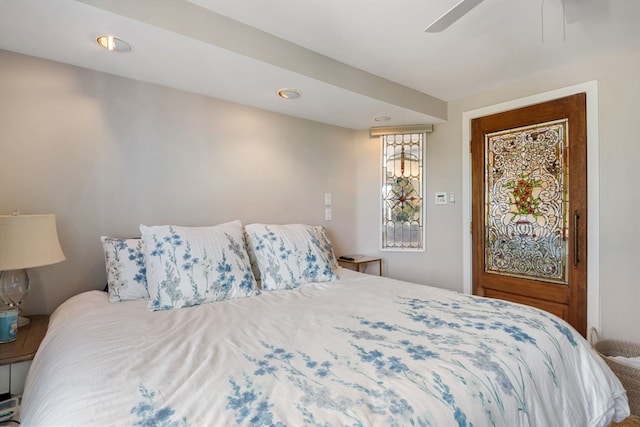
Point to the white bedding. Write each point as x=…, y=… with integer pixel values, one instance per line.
x=363, y=350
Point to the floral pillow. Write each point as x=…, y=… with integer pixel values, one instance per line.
x=325, y=244
x=291, y=255
x=189, y=266
x=254, y=262
x=126, y=271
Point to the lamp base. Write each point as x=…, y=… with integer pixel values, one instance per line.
x=23, y=321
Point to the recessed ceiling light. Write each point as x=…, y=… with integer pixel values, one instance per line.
x=113, y=43
x=382, y=118
x=289, y=93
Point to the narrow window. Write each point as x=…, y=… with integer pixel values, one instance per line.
x=403, y=191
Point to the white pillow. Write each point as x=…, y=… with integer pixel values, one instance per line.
x=126, y=271
x=188, y=266
x=325, y=244
x=291, y=255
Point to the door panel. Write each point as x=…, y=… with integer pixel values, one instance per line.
x=559, y=310
x=529, y=207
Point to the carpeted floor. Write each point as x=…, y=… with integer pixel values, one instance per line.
x=632, y=421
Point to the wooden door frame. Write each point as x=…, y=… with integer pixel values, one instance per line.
x=593, y=227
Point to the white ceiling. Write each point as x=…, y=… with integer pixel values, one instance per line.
x=351, y=59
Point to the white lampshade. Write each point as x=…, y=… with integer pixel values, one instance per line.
x=28, y=241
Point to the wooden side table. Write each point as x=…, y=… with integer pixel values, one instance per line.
x=362, y=261
x=16, y=356
x=27, y=342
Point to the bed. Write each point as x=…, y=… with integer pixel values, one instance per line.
x=353, y=350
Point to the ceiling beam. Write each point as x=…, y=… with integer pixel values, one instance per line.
x=190, y=20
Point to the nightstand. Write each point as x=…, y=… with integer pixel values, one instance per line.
x=361, y=261
x=16, y=356
x=26, y=343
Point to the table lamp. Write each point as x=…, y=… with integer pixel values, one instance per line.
x=26, y=241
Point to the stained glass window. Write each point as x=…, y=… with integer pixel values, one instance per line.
x=526, y=202
x=402, y=191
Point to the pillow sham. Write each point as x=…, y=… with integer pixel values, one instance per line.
x=126, y=271
x=325, y=245
x=189, y=266
x=252, y=260
x=291, y=255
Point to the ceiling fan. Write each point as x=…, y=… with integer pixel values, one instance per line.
x=573, y=10
x=452, y=15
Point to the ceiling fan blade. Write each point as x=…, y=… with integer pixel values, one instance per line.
x=452, y=15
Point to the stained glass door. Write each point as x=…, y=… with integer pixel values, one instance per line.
x=526, y=202
x=529, y=207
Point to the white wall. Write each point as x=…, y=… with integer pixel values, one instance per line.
x=106, y=153
x=440, y=265
x=618, y=77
